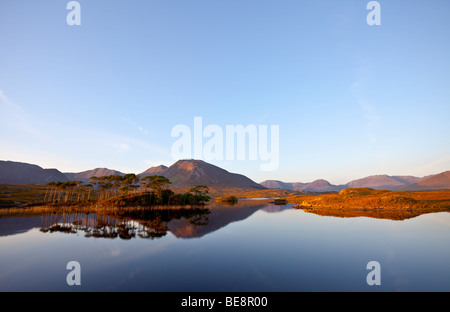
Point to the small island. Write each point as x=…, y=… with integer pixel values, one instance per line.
x=230, y=200
x=354, y=202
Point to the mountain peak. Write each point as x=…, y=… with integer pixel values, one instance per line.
x=376, y=181
x=191, y=172
x=188, y=164
x=437, y=181
x=85, y=176
x=158, y=170
x=191, y=164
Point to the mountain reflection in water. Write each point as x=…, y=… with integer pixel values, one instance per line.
x=128, y=223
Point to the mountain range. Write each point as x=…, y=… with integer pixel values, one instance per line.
x=188, y=173
x=183, y=173
x=315, y=186
x=377, y=182
x=22, y=173
x=85, y=176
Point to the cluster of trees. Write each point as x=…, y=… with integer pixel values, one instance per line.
x=231, y=200
x=197, y=195
x=153, y=189
x=67, y=192
x=115, y=185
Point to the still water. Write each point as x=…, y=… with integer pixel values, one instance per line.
x=251, y=246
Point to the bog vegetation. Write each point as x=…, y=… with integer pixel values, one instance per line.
x=369, y=198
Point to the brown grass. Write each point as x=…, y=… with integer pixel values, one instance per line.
x=12, y=195
x=37, y=210
x=364, y=198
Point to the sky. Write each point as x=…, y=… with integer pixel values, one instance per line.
x=349, y=99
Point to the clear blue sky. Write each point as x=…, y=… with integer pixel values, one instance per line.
x=351, y=100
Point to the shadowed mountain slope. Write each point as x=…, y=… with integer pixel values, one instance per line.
x=22, y=173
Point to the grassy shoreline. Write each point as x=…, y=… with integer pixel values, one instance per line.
x=365, y=198
x=348, y=202
x=364, y=202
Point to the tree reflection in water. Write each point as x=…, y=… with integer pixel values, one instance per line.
x=125, y=223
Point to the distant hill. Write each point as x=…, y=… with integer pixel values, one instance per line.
x=315, y=186
x=383, y=182
x=439, y=181
x=275, y=184
x=153, y=171
x=187, y=173
x=22, y=173
x=377, y=182
x=85, y=176
x=321, y=186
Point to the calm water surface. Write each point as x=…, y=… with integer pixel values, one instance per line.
x=248, y=247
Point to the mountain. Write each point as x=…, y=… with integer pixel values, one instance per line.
x=378, y=182
x=85, y=176
x=315, y=186
x=153, y=171
x=184, y=173
x=381, y=182
x=439, y=181
x=188, y=173
x=275, y=184
x=22, y=173
x=321, y=186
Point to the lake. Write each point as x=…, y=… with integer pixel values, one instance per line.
x=250, y=247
